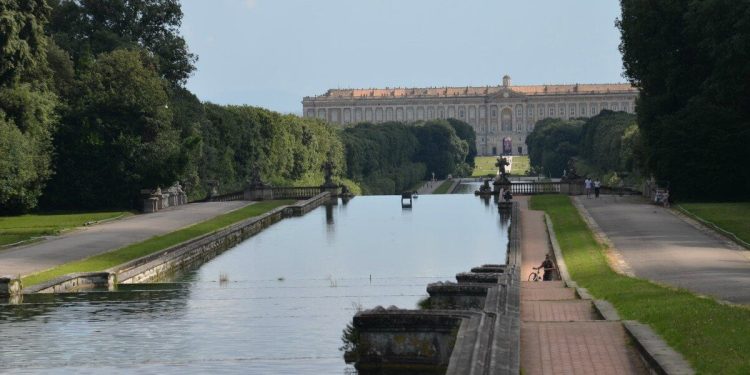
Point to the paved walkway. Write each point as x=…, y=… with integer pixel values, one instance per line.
x=658, y=245
x=561, y=334
x=101, y=238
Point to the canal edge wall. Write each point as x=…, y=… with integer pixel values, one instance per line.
x=171, y=260
x=478, y=317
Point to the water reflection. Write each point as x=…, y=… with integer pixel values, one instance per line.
x=289, y=292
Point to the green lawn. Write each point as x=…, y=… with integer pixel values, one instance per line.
x=443, y=188
x=731, y=217
x=113, y=258
x=19, y=228
x=713, y=337
x=520, y=165
x=484, y=165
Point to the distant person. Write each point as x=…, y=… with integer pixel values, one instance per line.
x=597, y=187
x=665, y=199
x=588, y=184
x=548, y=266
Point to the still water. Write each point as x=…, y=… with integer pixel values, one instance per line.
x=291, y=290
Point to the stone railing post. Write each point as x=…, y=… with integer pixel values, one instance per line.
x=10, y=286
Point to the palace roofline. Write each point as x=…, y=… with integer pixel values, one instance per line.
x=464, y=91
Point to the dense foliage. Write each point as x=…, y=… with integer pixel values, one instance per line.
x=93, y=110
x=392, y=157
x=27, y=105
x=689, y=60
x=552, y=143
x=602, y=145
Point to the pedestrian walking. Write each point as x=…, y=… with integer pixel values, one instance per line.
x=587, y=183
x=597, y=187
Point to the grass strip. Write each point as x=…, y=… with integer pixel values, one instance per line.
x=713, y=337
x=443, y=188
x=125, y=254
x=520, y=165
x=24, y=227
x=729, y=217
x=484, y=165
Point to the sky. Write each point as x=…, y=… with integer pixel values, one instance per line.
x=272, y=53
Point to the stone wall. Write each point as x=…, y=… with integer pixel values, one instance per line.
x=481, y=310
x=166, y=263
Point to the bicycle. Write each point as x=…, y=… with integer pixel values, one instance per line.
x=535, y=275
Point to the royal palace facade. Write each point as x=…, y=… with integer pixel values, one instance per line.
x=502, y=116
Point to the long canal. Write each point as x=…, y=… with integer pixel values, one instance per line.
x=276, y=303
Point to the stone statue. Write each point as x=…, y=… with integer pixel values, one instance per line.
x=500, y=164
x=255, y=180
x=328, y=169
x=570, y=173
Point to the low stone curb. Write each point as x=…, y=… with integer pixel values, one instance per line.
x=659, y=356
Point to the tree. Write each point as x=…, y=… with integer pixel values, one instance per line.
x=466, y=132
x=86, y=28
x=440, y=148
x=27, y=107
x=552, y=143
x=117, y=138
x=689, y=60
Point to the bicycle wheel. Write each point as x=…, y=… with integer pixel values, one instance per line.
x=533, y=276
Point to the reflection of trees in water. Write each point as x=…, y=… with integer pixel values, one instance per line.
x=131, y=299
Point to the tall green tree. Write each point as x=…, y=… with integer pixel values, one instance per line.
x=552, y=143
x=86, y=28
x=466, y=132
x=118, y=136
x=689, y=60
x=27, y=106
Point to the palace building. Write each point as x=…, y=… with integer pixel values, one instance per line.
x=502, y=116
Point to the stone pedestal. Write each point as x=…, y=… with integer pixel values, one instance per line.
x=333, y=189
x=10, y=286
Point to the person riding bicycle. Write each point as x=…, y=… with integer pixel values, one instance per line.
x=548, y=265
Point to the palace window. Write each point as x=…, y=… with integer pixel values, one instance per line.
x=541, y=110
x=593, y=109
x=461, y=113
x=572, y=110
x=551, y=111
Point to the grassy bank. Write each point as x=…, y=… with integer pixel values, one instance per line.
x=731, y=217
x=520, y=165
x=21, y=228
x=443, y=188
x=713, y=337
x=113, y=258
x=484, y=165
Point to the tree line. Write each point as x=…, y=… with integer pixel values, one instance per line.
x=599, y=146
x=393, y=157
x=93, y=109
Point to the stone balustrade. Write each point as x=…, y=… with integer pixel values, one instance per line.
x=156, y=200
